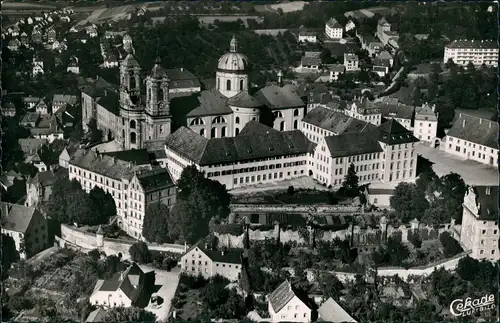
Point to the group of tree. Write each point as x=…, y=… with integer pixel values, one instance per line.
x=69, y=203
x=432, y=200
x=198, y=201
x=391, y=253
x=11, y=151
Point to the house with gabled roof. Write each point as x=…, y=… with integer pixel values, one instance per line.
x=287, y=304
x=125, y=289
x=333, y=29
x=331, y=311
x=203, y=260
x=27, y=227
x=39, y=188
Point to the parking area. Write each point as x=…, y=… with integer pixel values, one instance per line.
x=168, y=280
x=472, y=172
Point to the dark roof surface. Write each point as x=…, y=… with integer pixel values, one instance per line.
x=464, y=43
x=355, y=143
x=477, y=130
x=275, y=97
x=154, y=180
x=182, y=78
x=281, y=296
x=137, y=156
x=110, y=102
x=212, y=102
x=244, y=100
x=397, y=110
x=393, y=133
x=16, y=217
x=487, y=198
x=336, y=122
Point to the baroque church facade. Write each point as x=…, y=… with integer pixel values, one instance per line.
x=135, y=119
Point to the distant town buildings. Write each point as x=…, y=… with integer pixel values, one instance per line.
x=477, y=52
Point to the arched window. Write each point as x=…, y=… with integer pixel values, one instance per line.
x=254, y=119
x=223, y=132
x=123, y=134
x=132, y=82
x=237, y=120
x=228, y=85
x=213, y=133
x=133, y=138
x=296, y=124
x=160, y=95
x=296, y=113
x=219, y=120
x=241, y=85
x=278, y=114
x=236, y=131
x=132, y=124
x=282, y=126
x=162, y=128
x=149, y=94
x=218, y=83
x=202, y=132
x=197, y=121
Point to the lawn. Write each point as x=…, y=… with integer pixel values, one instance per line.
x=186, y=302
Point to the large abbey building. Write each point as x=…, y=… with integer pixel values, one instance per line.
x=133, y=118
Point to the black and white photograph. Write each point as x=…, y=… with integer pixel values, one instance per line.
x=249, y=161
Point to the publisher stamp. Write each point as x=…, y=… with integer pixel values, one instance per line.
x=469, y=306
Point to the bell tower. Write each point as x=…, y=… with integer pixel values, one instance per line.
x=157, y=103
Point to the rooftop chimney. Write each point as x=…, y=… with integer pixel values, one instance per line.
x=222, y=252
x=463, y=125
x=488, y=190
x=182, y=69
x=490, y=124
x=280, y=78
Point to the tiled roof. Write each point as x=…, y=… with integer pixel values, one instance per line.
x=153, y=180
x=97, y=87
x=477, y=130
x=355, y=143
x=30, y=117
x=110, y=102
x=16, y=217
x=65, y=98
x=104, y=165
x=31, y=144
x=283, y=294
x=366, y=105
x=336, y=122
x=228, y=257
x=331, y=311
x=381, y=62
x=425, y=113
x=310, y=61
x=275, y=97
x=351, y=57
x=339, y=68
x=137, y=156
x=46, y=178
x=182, y=78
x=464, y=43
x=8, y=106
x=31, y=99
x=212, y=102
x=384, y=55
x=240, y=148
x=398, y=110
x=254, y=127
x=393, y=133
x=487, y=198
x=380, y=69
x=244, y=100
x=333, y=23
x=124, y=281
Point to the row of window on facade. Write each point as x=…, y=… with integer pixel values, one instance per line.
x=228, y=85
x=254, y=169
x=257, y=160
x=265, y=177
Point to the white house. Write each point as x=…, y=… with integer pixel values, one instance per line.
x=335, y=71
x=479, y=230
x=307, y=36
x=202, y=260
x=478, y=52
x=351, y=62
x=333, y=29
x=350, y=26
x=37, y=67
x=286, y=305
x=426, y=123
x=310, y=63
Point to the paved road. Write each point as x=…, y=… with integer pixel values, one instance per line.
x=472, y=172
x=168, y=282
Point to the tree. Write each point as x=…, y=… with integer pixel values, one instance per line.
x=155, y=226
x=103, y=204
x=139, y=252
x=417, y=96
x=9, y=254
x=330, y=285
x=451, y=247
x=57, y=203
x=409, y=202
x=393, y=253
x=129, y=314
x=95, y=133
x=351, y=181
x=79, y=208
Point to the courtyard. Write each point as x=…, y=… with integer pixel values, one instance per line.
x=472, y=172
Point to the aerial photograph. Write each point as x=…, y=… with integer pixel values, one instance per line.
x=249, y=161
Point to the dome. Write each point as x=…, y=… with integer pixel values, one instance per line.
x=158, y=72
x=233, y=61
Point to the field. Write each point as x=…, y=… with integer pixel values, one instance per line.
x=116, y=13
x=286, y=7
x=367, y=13
x=25, y=6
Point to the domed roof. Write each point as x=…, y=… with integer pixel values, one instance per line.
x=234, y=61
x=158, y=72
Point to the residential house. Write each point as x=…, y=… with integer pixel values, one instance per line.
x=37, y=66
x=473, y=138
x=331, y=311
x=479, y=230
x=111, y=61
x=333, y=29
x=14, y=45
x=381, y=66
x=65, y=18
x=426, y=124
x=42, y=107
x=51, y=35
x=9, y=109
x=29, y=21
x=36, y=36
x=24, y=39
x=73, y=66
x=385, y=55
x=307, y=36
x=10, y=179
x=478, y=52
x=335, y=71
x=382, y=26
x=30, y=102
x=350, y=26
x=30, y=119
x=286, y=304
x=365, y=110
x=125, y=289
x=39, y=188
x=374, y=48
x=91, y=31
x=182, y=81
x=74, y=29
x=47, y=128
x=27, y=227
x=396, y=293
x=351, y=62
x=201, y=260
x=60, y=100
x=379, y=197
x=310, y=63
x=15, y=31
